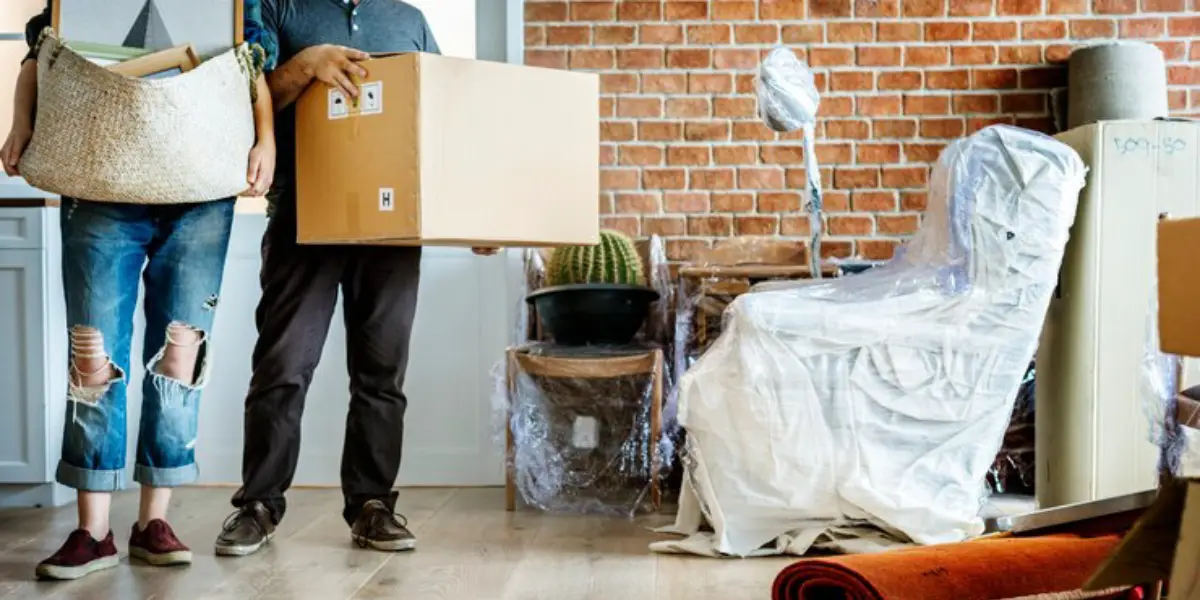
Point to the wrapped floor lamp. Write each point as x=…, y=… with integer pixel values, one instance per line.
x=105, y=137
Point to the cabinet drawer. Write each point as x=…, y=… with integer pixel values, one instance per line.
x=21, y=227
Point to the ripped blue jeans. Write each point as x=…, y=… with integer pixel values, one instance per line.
x=179, y=254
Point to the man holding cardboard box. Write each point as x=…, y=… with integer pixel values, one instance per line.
x=320, y=42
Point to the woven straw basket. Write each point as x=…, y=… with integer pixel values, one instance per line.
x=106, y=137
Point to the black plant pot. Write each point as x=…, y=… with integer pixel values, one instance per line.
x=592, y=313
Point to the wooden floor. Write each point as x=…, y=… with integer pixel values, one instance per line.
x=469, y=548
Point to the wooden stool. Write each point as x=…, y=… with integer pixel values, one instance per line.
x=619, y=364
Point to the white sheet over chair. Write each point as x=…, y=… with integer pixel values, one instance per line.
x=882, y=398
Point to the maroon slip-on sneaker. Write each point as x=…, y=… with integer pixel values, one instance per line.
x=158, y=546
x=80, y=555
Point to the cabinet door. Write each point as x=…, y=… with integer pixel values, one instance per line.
x=22, y=368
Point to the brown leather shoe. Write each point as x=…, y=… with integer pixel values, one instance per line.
x=157, y=545
x=80, y=555
x=245, y=531
x=378, y=528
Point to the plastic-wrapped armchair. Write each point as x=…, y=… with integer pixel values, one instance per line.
x=883, y=397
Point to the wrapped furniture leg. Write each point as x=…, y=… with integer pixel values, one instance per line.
x=882, y=397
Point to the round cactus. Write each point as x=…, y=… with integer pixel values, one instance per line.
x=613, y=260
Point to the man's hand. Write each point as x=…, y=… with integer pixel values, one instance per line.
x=335, y=66
x=482, y=251
x=262, y=169
x=14, y=147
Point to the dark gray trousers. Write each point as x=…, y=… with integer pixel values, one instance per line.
x=299, y=295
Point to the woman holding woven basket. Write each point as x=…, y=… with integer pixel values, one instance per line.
x=117, y=229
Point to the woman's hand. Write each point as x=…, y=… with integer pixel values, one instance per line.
x=262, y=168
x=14, y=147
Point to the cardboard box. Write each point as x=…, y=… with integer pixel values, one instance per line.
x=449, y=151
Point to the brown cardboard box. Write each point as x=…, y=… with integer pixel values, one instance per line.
x=449, y=151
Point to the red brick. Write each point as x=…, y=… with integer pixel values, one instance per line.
x=752, y=130
x=718, y=225
x=1183, y=74
x=782, y=154
x=1172, y=50
x=1058, y=53
x=637, y=203
x=836, y=106
x=927, y=105
x=975, y=103
x=950, y=31
x=1018, y=7
x=592, y=59
x=942, y=128
x=756, y=224
x=608, y=107
x=900, y=80
x=593, y=11
x=709, y=34
x=660, y=34
x=877, y=249
x=1043, y=30
x=651, y=131
x=847, y=129
x=851, y=225
x=1194, y=53
x=735, y=108
x=664, y=83
x=693, y=11
x=732, y=202
x=628, y=10
x=975, y=124
x=711, y=179
x=897, y=224
x=873, y=201
x=618, y=83
x=735, y=59
x=691, y=58
x=834, y=153
x=1066, y=7
x=971, y=8
x=789, y=225
x=876, y=8
x=746, y=83
x=664, y=226
x=535, y=35
x=684, y=108
x=900, y=32
x=614, y=35
x=639, y=107
x=1044, y=78
x=905, y=177
x=608, y=155
x=1184, y=26
x=756, y=34
x=877, y=154
x=973, y=55
x=854, y=178
x=685, y=202
x=760, y=178
x=606, y=203
x=1142, y=28
x=640, y=58
x=848, y=81
x=879, y=56
x=1177, y=100
x=545, y=11
x=1023, y=103
x=735, y=155
x=835, y=200
x=957, y=79
x=1021, y=55
x=1114, y=7
x=1089, y=29
x=923, y=153
x=778, y=201
x=994, y=79
x=802, y=34
x=895, y=128
x=849, y=32
x=664, y=178
x=616, y=131
x=1044, y=124
x=994, y=30
x=923, y=8
x=707, y=131
x=619, y=179
x=829, y=57
x=1164, y=6
x=926, y=56
x=568, y=35
x=553, y=59
x=914, y=201
x=818, y=9
x=709, y=83
x=685, y=250
x=876, y=106
x=781, y=9
x=688, y=155
x=627, y=225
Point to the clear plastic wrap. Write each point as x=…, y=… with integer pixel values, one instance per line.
x=884, y=396
x=1159, y=382
x=1013, y=472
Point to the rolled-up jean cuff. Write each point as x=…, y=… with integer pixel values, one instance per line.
x=89, y=480
x=166, y=477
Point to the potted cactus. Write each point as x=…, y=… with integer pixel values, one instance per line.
x=594, y=294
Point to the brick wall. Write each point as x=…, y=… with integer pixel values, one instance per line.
x=685, y=156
